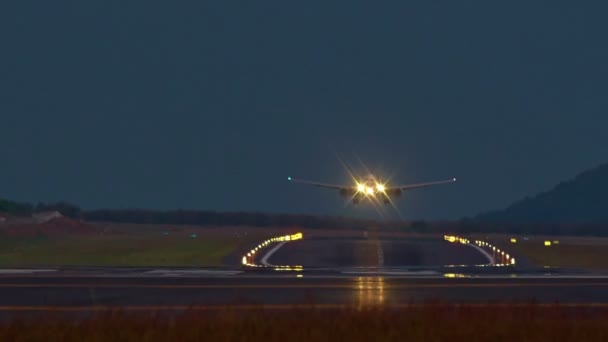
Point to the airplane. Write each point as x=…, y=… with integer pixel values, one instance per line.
x=370, y=188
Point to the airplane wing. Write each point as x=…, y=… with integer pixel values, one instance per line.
x=418, y=185
x=321, y=185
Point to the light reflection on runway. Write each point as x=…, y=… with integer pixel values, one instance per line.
x=370, y=291
x=362, y=292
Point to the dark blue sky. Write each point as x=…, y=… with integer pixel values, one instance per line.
x=211, y=105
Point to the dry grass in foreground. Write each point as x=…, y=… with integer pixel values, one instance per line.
x=420, y=323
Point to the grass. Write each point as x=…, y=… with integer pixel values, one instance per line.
x=586, y=253
x=421, y=323
x=118, y=250
x=567, y=255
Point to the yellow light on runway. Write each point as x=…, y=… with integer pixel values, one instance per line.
x=454, y=275
x=513, y=240
x=547, y=243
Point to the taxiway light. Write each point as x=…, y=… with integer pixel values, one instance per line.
x=289, y=178
x=547, y=243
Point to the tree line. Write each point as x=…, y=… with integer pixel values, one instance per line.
x=259, y=219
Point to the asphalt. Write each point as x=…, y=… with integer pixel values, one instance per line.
x=87, y=293
x=322, y=272
x=376, y=252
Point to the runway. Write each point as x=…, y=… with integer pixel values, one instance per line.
x=375, y=252
x=326, y=273
x=51, y=293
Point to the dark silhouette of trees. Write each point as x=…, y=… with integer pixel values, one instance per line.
x=15, y=208
x=258, y=219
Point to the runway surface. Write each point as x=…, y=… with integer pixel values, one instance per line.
x=375, y=252
x=323, y=272
x=48, y=293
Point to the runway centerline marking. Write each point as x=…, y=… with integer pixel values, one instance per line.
x=380, y=253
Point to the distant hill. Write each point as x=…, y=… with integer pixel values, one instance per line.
x=583, y=199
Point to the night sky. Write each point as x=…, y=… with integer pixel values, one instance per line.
x=211, y=105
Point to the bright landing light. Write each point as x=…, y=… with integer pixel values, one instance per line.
x=360, y=187
x=380, y=187
x=370, y=191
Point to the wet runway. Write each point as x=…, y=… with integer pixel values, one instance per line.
x=375, y=252
x=322, y=272
x=53, y=293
